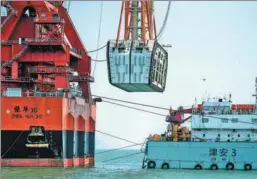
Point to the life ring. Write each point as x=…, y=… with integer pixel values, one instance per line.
x=198, y=167
x=248, y=166
x=230, y=166
x=151, y=164
x=165, y=166
x=214, y=167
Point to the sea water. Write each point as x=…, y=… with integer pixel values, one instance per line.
x=124, y=168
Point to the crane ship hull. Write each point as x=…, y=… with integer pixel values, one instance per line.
x=39, y=131
x=47, y=110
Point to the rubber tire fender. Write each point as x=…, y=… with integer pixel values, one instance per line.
x=198, y=167
x=151, y=164
x=165, y=165
x=248, y=166
x=214, y=167
x=230, y=164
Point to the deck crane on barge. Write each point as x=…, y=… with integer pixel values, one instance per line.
x=46, y=121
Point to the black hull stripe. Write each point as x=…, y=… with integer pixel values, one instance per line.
x=62, y=145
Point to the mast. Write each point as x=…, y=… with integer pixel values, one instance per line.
x=139, y=21
x=255, y=93
x=134, y=15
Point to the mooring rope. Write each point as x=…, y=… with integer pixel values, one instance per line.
x=12, y=144
x=122, y=157
x=117, y=137
x=128, y=146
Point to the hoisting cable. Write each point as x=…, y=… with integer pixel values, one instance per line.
x=146, y=105
x=111, y=150
x=99, y=35
x=98, y=49
x=164, y=22
x=142, y=110
x=157, y=37
x=122, y=157
x=90, y=51
x=98, y=60
x=117, y=137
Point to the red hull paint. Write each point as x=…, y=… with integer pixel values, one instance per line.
x=77, y=162
x=32, y=162
x=89, y=161
x=47, y=162
x=68, y=162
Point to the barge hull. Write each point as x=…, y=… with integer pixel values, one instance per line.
x=191, y=155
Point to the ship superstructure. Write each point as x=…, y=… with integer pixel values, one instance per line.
x=225, y=122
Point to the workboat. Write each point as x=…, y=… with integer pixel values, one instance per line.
x=220, y=135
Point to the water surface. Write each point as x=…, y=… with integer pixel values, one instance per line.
x=124, y=168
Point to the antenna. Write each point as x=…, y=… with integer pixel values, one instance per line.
x=255, y=93
x=204, y=97
x=195, y=105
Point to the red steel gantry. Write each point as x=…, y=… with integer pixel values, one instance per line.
x=41, y=48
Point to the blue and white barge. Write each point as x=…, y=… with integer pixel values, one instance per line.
x=220, y=135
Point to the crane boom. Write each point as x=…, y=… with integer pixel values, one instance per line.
x=139, y=21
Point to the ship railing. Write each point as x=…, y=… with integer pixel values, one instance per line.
x=244, y=112
x=33, y=40
x=49, y=94
x=55, y=19
x=36, y=94
x=9, y=42
x=25, y=79
x=225, y=113
x=44, y=40
x=81, y=78
x=50, y=70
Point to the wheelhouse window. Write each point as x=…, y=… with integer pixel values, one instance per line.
x=254, y=120
x=205, y=120
x=225, y=120
x=234, y=120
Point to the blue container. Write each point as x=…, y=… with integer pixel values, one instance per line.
x=135, y=66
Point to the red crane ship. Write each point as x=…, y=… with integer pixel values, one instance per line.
x=45, y=122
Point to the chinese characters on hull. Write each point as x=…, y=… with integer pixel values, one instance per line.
x=223, y=153
x=26, y=112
